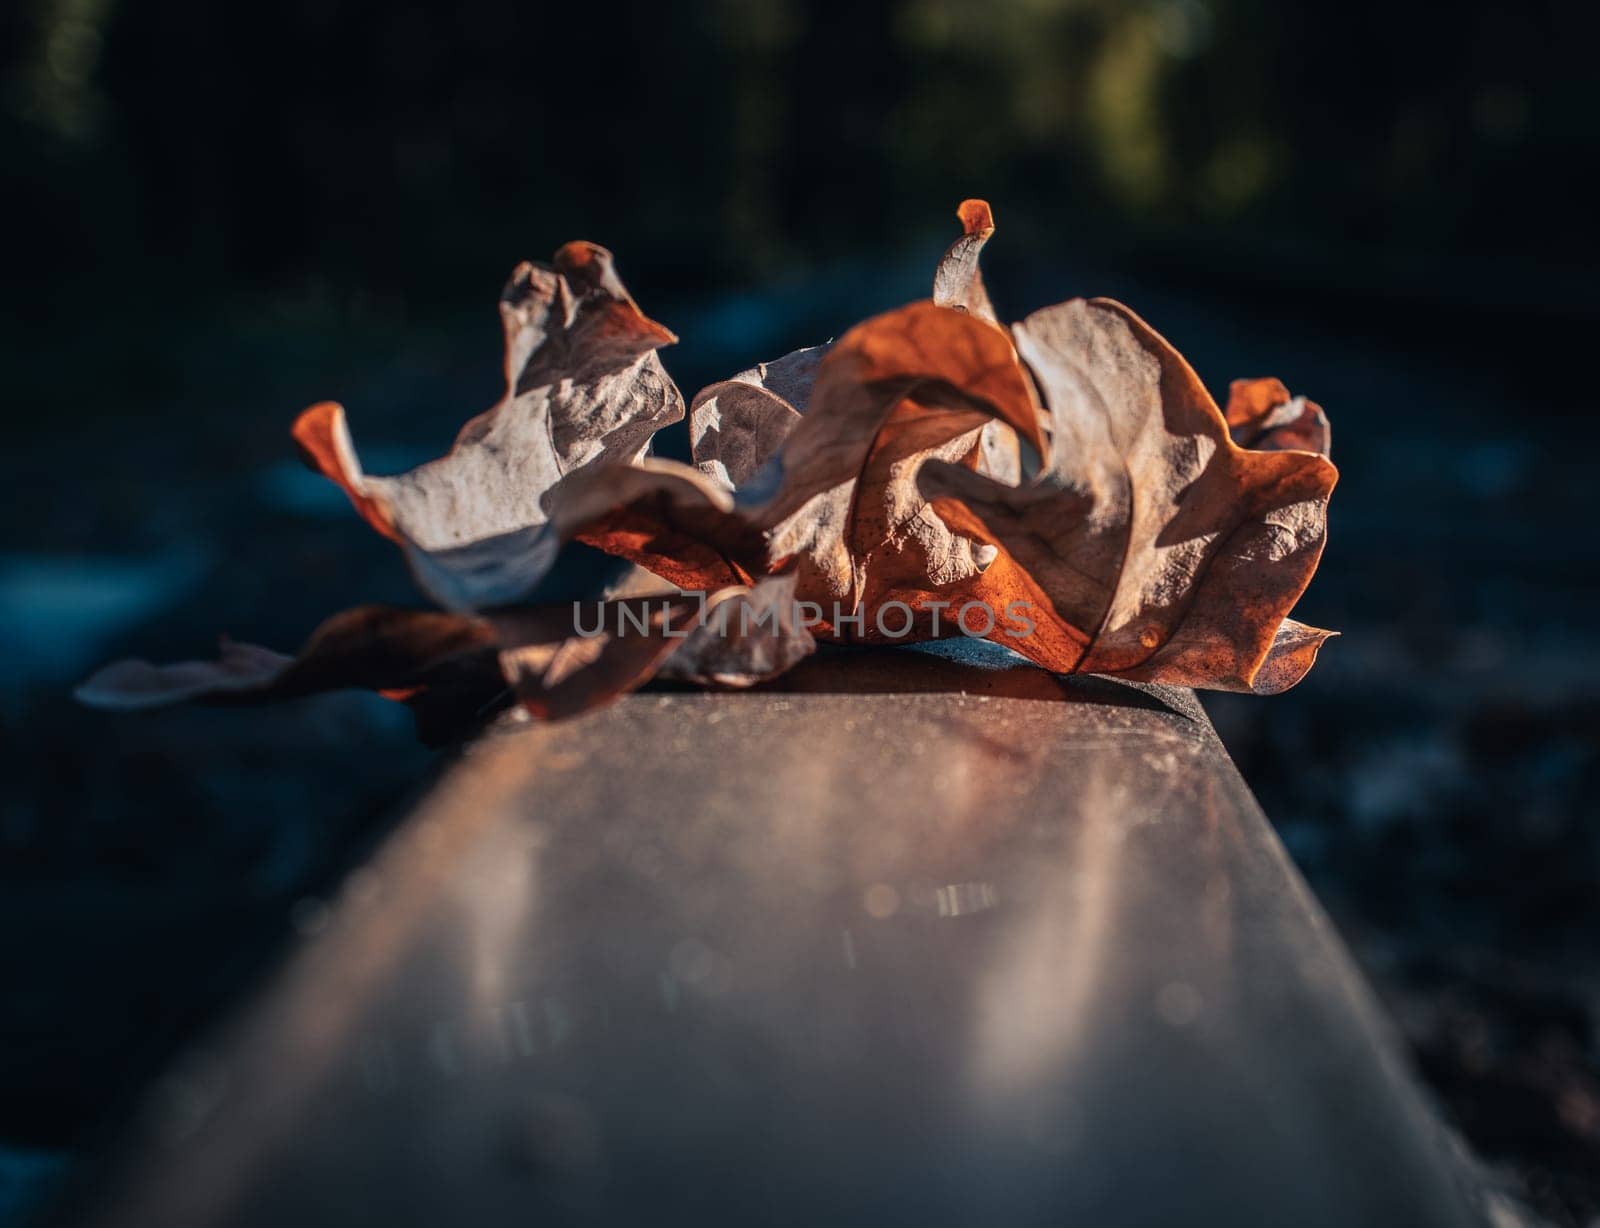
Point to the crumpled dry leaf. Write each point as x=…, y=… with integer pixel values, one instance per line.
x=441, y=665
x=556, y=671
x=1261, y=414
x=562, y=661
x=1166, y=552
x=584, y=388
x=737, y=424
x=931, y=370
x=1070, y=476
x=958, y=282
x=746, y=636
x=673, y=520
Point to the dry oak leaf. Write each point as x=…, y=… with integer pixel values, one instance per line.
x=1262, y=414
x=926, y=376
x=564, y=660
x=1155, y=546
x=441, y=665
x=958, y=281
x=737, y=424
x=584, y=387
x=669, y=518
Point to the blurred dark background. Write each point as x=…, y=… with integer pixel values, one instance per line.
x=218, y=214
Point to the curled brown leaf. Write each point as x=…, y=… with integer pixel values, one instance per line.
x=440, y=664
x=1164, y=549
x=1261, y=414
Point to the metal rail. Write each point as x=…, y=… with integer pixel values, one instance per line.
x=921, y=938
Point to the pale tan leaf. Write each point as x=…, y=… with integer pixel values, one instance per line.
x=737, y=424
x=584, y=386
x=957, y=281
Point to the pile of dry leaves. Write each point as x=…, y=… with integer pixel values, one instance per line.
x=1065, y=487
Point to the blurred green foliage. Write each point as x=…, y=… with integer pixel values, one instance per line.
x=171, y=166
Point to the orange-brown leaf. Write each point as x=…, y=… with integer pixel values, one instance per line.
x=1172, y=553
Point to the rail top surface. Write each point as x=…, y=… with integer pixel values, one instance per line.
x=921, y=937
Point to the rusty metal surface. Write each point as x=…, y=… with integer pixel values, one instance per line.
x=919, y=938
